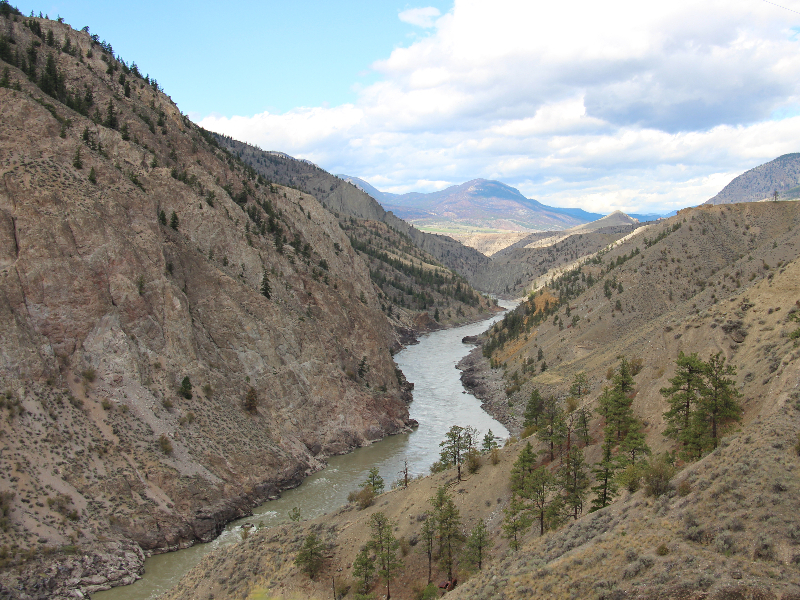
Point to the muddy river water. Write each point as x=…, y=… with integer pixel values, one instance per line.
x=439, y=402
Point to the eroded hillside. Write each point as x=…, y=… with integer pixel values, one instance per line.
x=180, y=339
x=725, y=526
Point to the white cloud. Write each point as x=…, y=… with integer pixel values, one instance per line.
x=596, y=105
x=421, y=17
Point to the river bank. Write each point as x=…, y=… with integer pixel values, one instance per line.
x=439, y=402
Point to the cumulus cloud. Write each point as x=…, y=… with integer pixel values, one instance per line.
x=421, y=17
x=597, y=105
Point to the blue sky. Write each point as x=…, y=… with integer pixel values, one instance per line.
x=603, y=106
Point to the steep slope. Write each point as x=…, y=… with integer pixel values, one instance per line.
x=781, y=175
x=726, y=526
x=346, y=200
x=180, y=340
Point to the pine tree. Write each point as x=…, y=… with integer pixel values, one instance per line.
x=574, y=481
x=634, y=446
x=77, y=162
x=375, y=480
x=552, y=430
x=364, y=569
x=266, y=291
x=604, y=471
x=478, y=543
x=683, y=396
x=162, y=217
x=111, y=121
x=173, y=220
x=580, y=385
x=385, y=546
x=92, y=176
x=489, y=442
x=517, y=519
x=533, y=409
x=448, y=528
x=538, y=489
x=718, y=403
x=309, y=558
x=429, y=530
x=458, y=441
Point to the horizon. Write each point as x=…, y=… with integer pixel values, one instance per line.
x=600, y=108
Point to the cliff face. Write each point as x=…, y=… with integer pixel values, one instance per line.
x=126, y=269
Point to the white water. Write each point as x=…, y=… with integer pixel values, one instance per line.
x=439, y=402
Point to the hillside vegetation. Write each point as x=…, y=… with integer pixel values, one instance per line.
x=723, y=526
x=781, y=175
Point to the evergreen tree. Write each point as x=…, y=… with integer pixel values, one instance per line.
x=458, y=441
x=538, y=488
x=719, y=403
x=266, y=291
x=533, y=409
x=582, y=425
x=574, y=481
x=364, y=569
x=309, y=558
x=604, y=471
x=489, y=442
x=429, y=530
x=683, y=396
x=580, y=386
x=448, y=525
x=162, y=217
x=186, y=388
x=634, y=446
x=77, y=162
x=111, y=121
x=478, y=543
x=385, y=546
x=375, y=480
x=552, y=430
x=517, y=519
x=173, y=220
x=92, y=176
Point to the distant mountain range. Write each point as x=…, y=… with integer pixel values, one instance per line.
x=781, y=175
x=480, y=205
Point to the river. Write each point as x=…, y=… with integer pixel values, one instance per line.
x=439, y=402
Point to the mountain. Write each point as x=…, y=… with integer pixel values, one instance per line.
x=479, y=204
x=181, y=339
x=781, y=175
x=720, y=525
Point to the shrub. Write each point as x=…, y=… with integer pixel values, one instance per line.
x=106, y=404
x=167, y=403
x=251, y=400
x=363, y=497
x=495, y=456
x=656, y=477
x=186, y=388
x=89, y=375
x=473, y=461
x=662, y=550
x=684, y=488
x=165, y=444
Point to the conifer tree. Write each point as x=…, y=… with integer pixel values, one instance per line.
x=458, y=441
x=448, y=525
x=309, y=558
x=173, y=221
x=574, y=481
x=517, y=519
x=364, y=569
x=683, y=396
x=385, y=546
x=266, y=291
x=375, y=480
x=429, y=536
x=478, y=543
x=719, y=399
x=552, y=430
x=489, y=442
x=605, y=488
x=533, y=409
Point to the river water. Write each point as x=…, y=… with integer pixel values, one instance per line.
x=439, y=402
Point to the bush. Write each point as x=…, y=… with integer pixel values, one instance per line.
x=473, y=461
x=165, y=444
x=186, y=388
x=251, y=400
x=495, y=456
x=656, y=477
x=89, y=375
x=662, y=550
x=684, y=488
x=363, y=497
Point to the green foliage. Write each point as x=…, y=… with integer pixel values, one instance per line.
x=458, y=441
x=516, y=521
x=573, y=481
x=533, y=409
x=186, y=388
x=385, y=546
x=173, y=221
x=447, y=518
x=162, y=217
x=364, y=569
x=478, y=543
x=375, y=480
x=77, y=162
x=363, y=367
x=310, y=557
x=552, y=428
x=490, y=442
x=657, y=476
x=92, y=176
x=111, y=121
x=294, y=514
x=266, y=291
x=165, y=444
x=363, y=498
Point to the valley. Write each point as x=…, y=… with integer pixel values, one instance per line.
x=191, y=326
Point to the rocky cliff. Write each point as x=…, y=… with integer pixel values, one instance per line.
x=180, y=340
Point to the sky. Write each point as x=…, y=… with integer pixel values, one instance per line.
x=640, y=107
